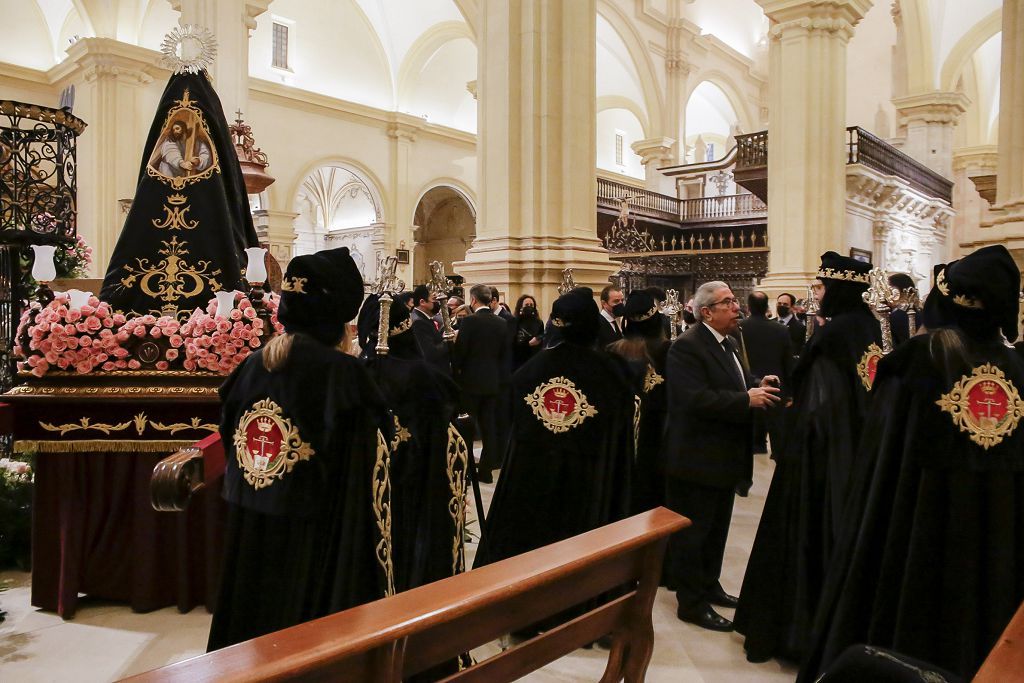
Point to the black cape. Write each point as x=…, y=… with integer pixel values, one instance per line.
x=931, y=561
x=187, y=231
x=804, y=507
x=428, y=470
x=308, y=528
x=557, y=484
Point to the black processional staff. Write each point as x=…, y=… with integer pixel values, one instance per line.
x=439, y=286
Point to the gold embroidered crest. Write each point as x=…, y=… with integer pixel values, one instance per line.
x=401, y=434
x=986, y=405
x=184, y=153
x=294, y=284
x=867, y=368
x=651, y=379
x=559, y=405
x=267, y=444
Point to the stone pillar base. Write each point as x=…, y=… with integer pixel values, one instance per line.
x=533, y=265
x=794, y=283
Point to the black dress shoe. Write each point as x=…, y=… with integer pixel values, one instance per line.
x=705, y=617
x=722, y=599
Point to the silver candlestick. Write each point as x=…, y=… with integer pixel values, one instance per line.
x=439, y=286
x=673, y=309
x=881, y=297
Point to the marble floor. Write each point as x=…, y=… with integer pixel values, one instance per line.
x=106, y=642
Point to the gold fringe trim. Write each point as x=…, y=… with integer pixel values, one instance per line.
x=101, y=446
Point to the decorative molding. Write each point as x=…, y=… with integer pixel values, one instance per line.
x=931, y=107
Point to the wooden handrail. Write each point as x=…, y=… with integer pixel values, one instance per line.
x=1006, y=660
x=180, y=475
x=408, y=633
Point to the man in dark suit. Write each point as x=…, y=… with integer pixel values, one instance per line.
x=767, y=349
x=797, y=330
x=612, y=307
x=498, y=308
x=479, y=359
x=426, y=326
x=711, y=400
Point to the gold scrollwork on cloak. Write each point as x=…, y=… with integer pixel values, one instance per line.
x=173, y=278
x=381, y=501
x=651, y=379
x=559, y=405
x=636, y=424
x=986, y=405
x=457, y=460
x=196, y=423
x=868, y=365
x=267, y=444
x=176, y=216
x=401, y=435
x=85, y=424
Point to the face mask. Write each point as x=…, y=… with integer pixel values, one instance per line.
x=688, y=317
x=783, y=311
x=619, y=310
x=529, y=311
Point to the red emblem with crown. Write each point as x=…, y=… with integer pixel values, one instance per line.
x=867, y=368
x=985, y=404
x=559, y=405
x=267, y=444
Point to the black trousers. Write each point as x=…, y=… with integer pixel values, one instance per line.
x=485, y=410
x=694, y=560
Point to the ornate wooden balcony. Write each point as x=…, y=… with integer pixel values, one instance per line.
x=868, y=150
x=642, y=203
x=725, y=207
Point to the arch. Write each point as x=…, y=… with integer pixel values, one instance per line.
x=732, y=93
x=357, y=169
x=917, y=42
x=965, y=48
x=445, y=227
x=470, y=11
x=619, y=102
x=420, y=52
x=457, y=185
x=635, y=45
x=382, y=53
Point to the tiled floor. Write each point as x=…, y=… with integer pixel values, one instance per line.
x=106, y=642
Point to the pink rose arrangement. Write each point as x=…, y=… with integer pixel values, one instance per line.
x=219, y=343
x=164, y=332
x=79, y=339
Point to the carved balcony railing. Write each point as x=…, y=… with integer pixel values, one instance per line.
x=752, y=150
x=630, y=239
x=864, y=148
x=610, y=193
x=725, y=207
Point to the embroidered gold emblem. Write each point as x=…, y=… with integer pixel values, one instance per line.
x=986, y=405
x=867, y=368
x=457, y=459
x=267, y=444
x=940, y=282
x=85, y=423
x=651, y=379
x=845, y=275
x=184, y=153
x=559, y=405
x=173, y=277
x=176, y=215
x=381, y=503
x=401, y=434
x=294, y=284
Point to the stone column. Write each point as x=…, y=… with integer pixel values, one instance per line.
x=276, y=229
x=402, y=131
x=536, y=155
x=655, y=153
x=1007, y=219
x=930, y=120
x=110, y=80
x=806, y=134
x=232, y=22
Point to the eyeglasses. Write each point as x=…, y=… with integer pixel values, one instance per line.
x=728, y=301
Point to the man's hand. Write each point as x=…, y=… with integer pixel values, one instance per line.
x=770, y=381
x=763, y=397
x=187, y=165
x=534, y=342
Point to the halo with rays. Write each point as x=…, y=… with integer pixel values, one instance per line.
x=189, y=48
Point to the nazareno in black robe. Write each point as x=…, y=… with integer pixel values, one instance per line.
x=314, y=540
x=428, y=479
x=931, y=561
x=555, y=485
x=804, y=508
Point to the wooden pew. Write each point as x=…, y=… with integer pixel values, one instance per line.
x=1006, y=660
x=397, y=637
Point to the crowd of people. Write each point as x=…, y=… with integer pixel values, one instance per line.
x=893, y=516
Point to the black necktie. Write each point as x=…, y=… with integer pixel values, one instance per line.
x=730, y=351
x=615, y=326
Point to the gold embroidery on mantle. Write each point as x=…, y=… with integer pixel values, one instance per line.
x=868, y=366
x=172, y=278
x=381, y=502
x=176, y=217
x=559, y=405
x=457, y=460
x=196, y=423
x=401, y=434
x=651, y=379
x=267, y=444
x=986, y=405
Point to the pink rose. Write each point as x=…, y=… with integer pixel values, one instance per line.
x=148, y=319
x=108, y=322
x=156, y=333
x=100, y=357
x=120, y=364
x=202, y=353
x=172, y=354
x=69, y=329
x=235, y=314
x=223, y=326
x=93, y=324
x=84, y=341
x=72, y=343
x=120, y=352
x=209, y=325
x=176, y=340
x=118, y=319
x=59, y=345
x=249, y=312
x=63, y=363
x=51, y=357
x=122, y=336
x=139, y=331
x=88, y=310
x=83, y=367
x=134, y=364
x=74, y=315
x=109, y=365
x=254, y=342
x=162, y=365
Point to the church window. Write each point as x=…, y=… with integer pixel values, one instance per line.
x=619, y=140
x=280, y=46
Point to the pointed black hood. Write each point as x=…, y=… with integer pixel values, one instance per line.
x=190, y=222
